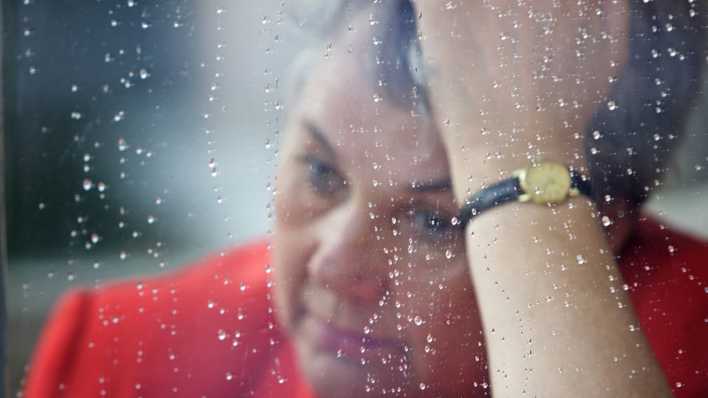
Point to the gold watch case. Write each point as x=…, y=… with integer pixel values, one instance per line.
x=545, y=183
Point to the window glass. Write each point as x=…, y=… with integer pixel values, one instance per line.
x=227, y=190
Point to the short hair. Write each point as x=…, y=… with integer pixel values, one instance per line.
x=627, y=146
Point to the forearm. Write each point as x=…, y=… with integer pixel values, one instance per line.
x=513, y=83
x=557, y=321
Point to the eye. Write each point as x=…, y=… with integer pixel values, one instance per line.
x=432, y=224
x=323, y=178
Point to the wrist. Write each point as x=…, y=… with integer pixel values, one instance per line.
x=474, y=167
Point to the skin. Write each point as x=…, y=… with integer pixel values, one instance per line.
x=541, y=274
x=363, y=242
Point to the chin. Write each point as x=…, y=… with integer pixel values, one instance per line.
x=330, y=378
x=336, y=376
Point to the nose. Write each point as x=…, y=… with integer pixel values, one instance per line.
x=351, y=259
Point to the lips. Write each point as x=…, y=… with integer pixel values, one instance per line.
x=346, y=342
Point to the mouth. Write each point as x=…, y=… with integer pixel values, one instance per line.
x=348, y=343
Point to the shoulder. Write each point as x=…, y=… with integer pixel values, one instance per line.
x=660, y=254
x=162, y=335
x=666, y=274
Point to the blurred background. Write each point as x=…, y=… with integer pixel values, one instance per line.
x=142, y=135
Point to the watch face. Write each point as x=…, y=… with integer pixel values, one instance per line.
x=547, y=183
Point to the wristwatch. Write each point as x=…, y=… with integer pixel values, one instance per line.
x=543, y=183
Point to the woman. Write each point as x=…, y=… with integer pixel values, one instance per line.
x=380, y=284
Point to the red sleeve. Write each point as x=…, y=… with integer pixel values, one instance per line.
x=667, y=277
x=206, y=330
x=57, y=347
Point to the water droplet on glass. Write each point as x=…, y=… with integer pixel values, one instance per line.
x=606, y=221
x=122, y=144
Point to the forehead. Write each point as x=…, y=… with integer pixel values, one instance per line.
x=344, y=98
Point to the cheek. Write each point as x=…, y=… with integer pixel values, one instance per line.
x=288, y=202
x=448, y=345
x=291, y=251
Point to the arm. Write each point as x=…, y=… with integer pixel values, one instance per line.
x=510, y=83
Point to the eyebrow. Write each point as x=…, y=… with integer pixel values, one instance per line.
x=319, y=136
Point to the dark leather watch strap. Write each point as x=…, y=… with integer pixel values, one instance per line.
x=580, y=183
x=504, y=191
x=508, y=190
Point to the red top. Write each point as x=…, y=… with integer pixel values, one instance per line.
x=208, y=331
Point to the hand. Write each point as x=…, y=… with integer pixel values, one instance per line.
x=517, y=80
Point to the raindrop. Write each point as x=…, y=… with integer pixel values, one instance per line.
x=122, y=144
x=606, y=221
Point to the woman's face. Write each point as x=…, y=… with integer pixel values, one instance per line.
x=371, y=278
